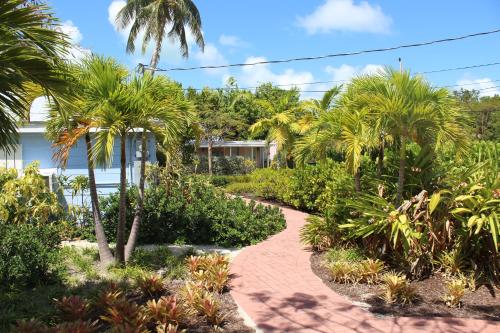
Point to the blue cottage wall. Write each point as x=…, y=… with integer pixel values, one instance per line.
x=35, y=147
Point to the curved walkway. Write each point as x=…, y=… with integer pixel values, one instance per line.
x=274, y=284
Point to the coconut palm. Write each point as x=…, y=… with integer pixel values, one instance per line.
x=158, y=19
x=30, y=51
x=160, y=109
x=412, y=110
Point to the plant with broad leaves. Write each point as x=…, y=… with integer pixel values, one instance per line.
x=78, y=326
x=167, y=310
x=317, y=233
x=397, y=289
x=151, y=285
x=370, y=270
x=191, y=293
x=72, y=307
x=169, y=328
x=455, y=290
x=30, y=326
x=209, y=306
x=126, y=316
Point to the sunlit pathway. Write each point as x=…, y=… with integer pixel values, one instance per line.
x=274, y=284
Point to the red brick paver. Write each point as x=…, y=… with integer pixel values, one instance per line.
x=274, y=284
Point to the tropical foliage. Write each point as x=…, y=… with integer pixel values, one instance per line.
x=30, y=54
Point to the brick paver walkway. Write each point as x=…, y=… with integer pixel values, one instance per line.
x=274, y=284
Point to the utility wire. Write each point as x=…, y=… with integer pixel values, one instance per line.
x=334, y=55
x=342, y=81
x=323, y=91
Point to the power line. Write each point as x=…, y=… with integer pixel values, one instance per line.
x=459, y=68
x=342, y=81
x=466, y=84
x=334, y=55
x=482, y=89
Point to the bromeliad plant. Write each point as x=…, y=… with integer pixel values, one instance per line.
x=211, y=271
x=72, y=308
x=167, y=310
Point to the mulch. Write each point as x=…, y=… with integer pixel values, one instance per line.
x=484, y=303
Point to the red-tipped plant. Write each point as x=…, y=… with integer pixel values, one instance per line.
x=72, y=308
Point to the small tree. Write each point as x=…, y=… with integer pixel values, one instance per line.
x=216, y=117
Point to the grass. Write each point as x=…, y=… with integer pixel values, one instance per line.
x=84, y=261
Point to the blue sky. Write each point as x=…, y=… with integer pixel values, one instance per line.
x=245, y=31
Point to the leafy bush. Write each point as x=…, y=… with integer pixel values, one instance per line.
x=317, y=233
x=314, y=188
x=195, y=212
x=27, y=199
x=28, y=254
x=225, y=165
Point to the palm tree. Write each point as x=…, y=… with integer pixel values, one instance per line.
x=30, y=52
x=415, y=111
x=160, y=109
x=281, y=126
x=154, y=18
x=343, y=127
x=74, y=117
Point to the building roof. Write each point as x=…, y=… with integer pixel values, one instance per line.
x=246, y=143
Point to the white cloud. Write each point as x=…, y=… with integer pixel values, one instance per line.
x=347, y=72
x=76, y=52
x=251, y=76
x=211, y=56
x=113, y=9
x=170, y=49
x=346, y=15
x=234, y=41
x=486, y=86
x=72, y=31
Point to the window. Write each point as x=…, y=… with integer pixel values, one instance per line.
x=12, y=158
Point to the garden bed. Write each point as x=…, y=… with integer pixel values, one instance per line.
x=89, y=282
x=484, y=303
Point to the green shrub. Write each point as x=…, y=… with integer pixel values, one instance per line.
x=225, y=165
x=314, y=188
x=27, y=254
x=348, y=254
x=195, y=212
x=317, y=233
x=27, y=199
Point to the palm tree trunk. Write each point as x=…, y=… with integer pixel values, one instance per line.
x=139, y=209
x=209, y=156
x=380, y=158
x=402, y=165
x=102, y=243
x=122, y=215
x=155, y=58
x=357, y=180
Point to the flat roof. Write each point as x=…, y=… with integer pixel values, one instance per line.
x=246, y=143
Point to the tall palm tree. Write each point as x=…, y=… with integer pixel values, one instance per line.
x=160, y=109
x=30, y=51
x=281, y=125
x=415, y=111
x=74, y=118
x=158, y=19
